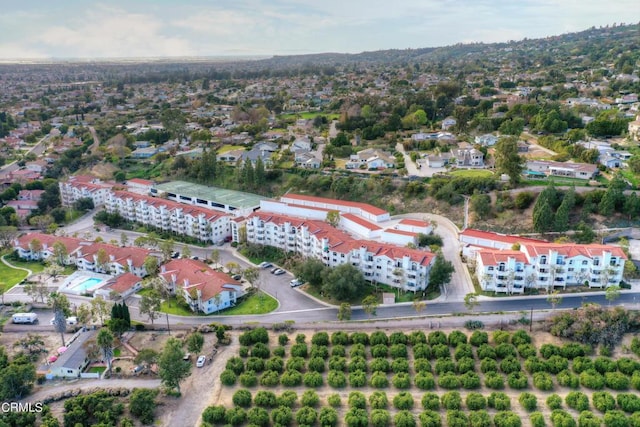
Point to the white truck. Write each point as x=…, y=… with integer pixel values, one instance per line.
x=30, y=318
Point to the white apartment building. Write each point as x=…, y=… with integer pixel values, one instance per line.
x=203, y=224
x=84, y=186
x=84, y=254
x=395, y=266
x=549, y=265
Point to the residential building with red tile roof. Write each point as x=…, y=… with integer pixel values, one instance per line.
x=83, y=254
x=201, y=223
x=396, y=266
x=549, y=265
x=123, y=286
x=84, y=186
x=364, y=210
x=205, y=289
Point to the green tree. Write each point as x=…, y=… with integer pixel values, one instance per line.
x=142, y=404
x=172, y=369
x=481, y=205
x=61, y=309
x=150, y=304
x=151, y=265
x=612, y=293
x=631, y=206
x=174, y=122
x=333, y=218
x=508, y=161
x=441, y=271
x=146, y=357
x=166, y=247
x=562, y=214
x=310, y=270
x=369, y=304
x=344, y=311
x=342, y=282
x=471, y=301
x=102, y=260
x=195, y=342
x=105, y=342
x=60, y=253
x=554, y=299
x=100, y=309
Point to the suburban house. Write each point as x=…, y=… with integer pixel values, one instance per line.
x=487, y=140
x=258, y=152
x=231, y=156
x=468, y=157
x=371, y=158
x=73, y=361
x=448, y=123
x=438, y=160
x=307, y=160
x=140, y=186
x=205, y=289
x=566, y=169
x=301, y=145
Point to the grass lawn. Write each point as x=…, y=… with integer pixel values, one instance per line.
x=226, y=148
x=171, y=306
x=259, y=303
x=286, y=165
x=471, y=173
x=145, y=291
x=341, y=163
x=254, y=304
x=35, y=266
x=309, y=115
x=10, y=276
x=631, y=177
x=401, y=296
x=97, y=369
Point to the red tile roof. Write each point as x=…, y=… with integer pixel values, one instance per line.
x=401, y=232
x=360, y=221
x=157, y=202
x=191, y=274
x=496, y=256
x=70, y=243
x=364, y=206
x=342, y=242
x=140, y=181
x=573, y=249
x=120, y=255
x=414, y=222
x=505, y=238
x=123, y=282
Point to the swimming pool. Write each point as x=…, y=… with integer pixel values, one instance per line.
x=87, y=284
x=84, y=282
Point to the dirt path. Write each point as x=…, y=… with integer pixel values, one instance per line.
x=54, y=388
x=200, y=390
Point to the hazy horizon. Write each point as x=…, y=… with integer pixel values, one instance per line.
x=80, y=30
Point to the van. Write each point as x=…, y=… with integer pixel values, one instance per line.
x=30, y=318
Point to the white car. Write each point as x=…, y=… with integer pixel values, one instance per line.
x=296, y=282
x=264, y=264
x=200, y=362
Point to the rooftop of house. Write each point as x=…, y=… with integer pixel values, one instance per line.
x=191, y=274
x=364, y=206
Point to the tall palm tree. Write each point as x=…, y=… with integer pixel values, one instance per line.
x=105, y=341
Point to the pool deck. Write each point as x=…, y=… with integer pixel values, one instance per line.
x=71, y=283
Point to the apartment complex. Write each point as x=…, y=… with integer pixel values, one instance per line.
x=200, y=223
x=85, y=255
x=400, y=267
x=205, y=289
x=549, y=265
x=84, y=186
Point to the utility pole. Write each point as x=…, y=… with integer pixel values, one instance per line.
x=168, y=328
x=531, y=320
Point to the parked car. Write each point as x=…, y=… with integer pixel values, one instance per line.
x=195, y=258
x=200, y=362
x=25, y=318
x=265, y=264
x=175, y=255
x=236, y=276
x=279, y=272
x=187, y=356
x=296, y=282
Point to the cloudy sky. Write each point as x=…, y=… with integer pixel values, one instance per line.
x=158, y=28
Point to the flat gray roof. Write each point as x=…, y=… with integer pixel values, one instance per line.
x=223, y=196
